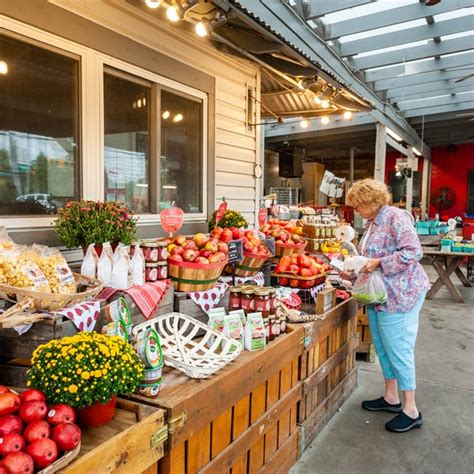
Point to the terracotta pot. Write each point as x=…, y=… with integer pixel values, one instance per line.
x=98, y=248
x=98, y=414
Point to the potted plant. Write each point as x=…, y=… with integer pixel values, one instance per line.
x=80, y=223
x=87, y=371
x=229, y=219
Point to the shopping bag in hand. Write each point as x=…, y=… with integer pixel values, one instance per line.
x=370, y=288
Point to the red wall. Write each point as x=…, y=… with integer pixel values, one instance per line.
x=449, y=169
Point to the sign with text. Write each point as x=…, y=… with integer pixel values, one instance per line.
x=236, y=251
x=270, y=243
x=171, y=219
x=262, y=216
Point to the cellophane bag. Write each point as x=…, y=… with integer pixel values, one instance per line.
x=369, y=288
x=6, y=243
x=89, y=264
x=57, y=271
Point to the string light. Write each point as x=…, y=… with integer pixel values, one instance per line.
x=172, y=14
x=317, y=100
x=304, y=123
x=166, y=114
x=177, y=11
x=205, y=27
x=3, y=67
x=325, y=120
x=325, y=104
x=348, y=115
x=153, y=3
x=177, y=118
x=202, y=29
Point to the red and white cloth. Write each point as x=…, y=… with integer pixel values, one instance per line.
x=83, y=315
x=146, y=297
x=209, y=299
x=258, y=279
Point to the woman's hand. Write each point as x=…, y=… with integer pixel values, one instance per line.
x=371, y=265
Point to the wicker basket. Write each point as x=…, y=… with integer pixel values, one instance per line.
x=249, y=266
x=197, y=357
x=283, y=250
x=87, y=287
x=188, y=276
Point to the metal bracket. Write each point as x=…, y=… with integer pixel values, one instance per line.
x=159, y=437
x=177, y=423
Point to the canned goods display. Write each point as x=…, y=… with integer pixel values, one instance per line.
x=156, y=271
x=154, y=251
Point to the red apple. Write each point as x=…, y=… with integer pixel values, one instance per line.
x=67, y=436
x=214, y=258
x=190, y=245
x=200, y=239
x=180, y=240
x=211, y=245
x=305, y=272
x=34, y=410
x=293, y=269
x=217, y=231
x=61, y=413
x=294, y=283
x=3, y=469
x=280, y=268
x=205, y=253
x=306, y=284
x=189, y=255
x=223, y=247
x=38, y=429
x=43, y=451
x=19, y=463
x=283, y=281
x=10, y=424
x=9, y=403
x=178, y=258
x=304, y=261
x=4, y=389
x=31, y=395
x=226, y=236
x=11, y=443
x=248, y=247
x=177, y=250
x=221, y=256
x=202, y=260
x=236, y=233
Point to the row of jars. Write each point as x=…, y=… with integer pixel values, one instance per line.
x=155, y=253
x=256, y=299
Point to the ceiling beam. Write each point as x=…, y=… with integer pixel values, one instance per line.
x=441, y=88
x=409, y=35
x=414, y=53
x=420, y=67
x=453, y=115
x=319, y=8
x=436, y=101
x=440, y=110
x=415, y=80
x=390, y=17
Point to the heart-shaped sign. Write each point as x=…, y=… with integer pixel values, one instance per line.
x=262, y=216
x=220, y=212
x=171, y=219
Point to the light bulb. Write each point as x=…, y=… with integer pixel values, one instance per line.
x=201, y=29
x=177, y=118
x=3, y=67
x=166, y=114
x=304, y=123
x=317, y=100
x=152, y=3
x=348, y=115
x=325, y=120
x=301, y=85
x=325, y=104
x=173, y=14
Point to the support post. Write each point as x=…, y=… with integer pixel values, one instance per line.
x=380, y=153
x=351, y=165
x=412, y=164
x=424, y=188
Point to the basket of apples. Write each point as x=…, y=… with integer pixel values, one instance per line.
x=34, y=438
x=254, y=250
x=288, y=239
x=196, y=264
x=300, y=271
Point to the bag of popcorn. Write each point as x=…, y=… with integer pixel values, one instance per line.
x=57, y=271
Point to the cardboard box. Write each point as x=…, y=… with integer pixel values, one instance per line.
x=325, y=300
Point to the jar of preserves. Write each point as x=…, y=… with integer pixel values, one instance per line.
x=151, y=272
x=282, y=319
x=235, y=299
x=262, y=302
x=272, y=321
x=247, y=302
x=154, y=251
x=272, y=302
x=276, y=328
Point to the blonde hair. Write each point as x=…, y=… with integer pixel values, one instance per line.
x=368, y=193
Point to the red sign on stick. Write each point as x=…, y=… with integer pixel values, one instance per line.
x=171, y=219
x=221, y=212
x=262, y=216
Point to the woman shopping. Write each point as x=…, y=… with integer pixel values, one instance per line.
x=393, y=249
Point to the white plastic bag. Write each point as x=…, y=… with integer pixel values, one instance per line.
x=138, y=267
x=355, y=264
x=89, y=264
x=370, y=288
x=121, y=269
x=104, y=265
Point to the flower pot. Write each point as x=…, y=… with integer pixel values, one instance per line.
x=98, y=414
x=98, y=248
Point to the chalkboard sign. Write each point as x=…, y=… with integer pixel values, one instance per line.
x=236, y=251
x=270, y=243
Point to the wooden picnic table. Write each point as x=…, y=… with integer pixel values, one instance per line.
x=445, y=263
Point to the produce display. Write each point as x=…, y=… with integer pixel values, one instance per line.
x=33, y=436
x=252, y=243
x=300, y=271
x=200, y=249
x=229, y=219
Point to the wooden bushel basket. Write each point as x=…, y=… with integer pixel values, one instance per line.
x=283, y=250
x=188, y=276
x=249, y=266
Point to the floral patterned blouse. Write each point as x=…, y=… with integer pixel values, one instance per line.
x=392, y=238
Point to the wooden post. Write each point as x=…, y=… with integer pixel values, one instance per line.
x=380, y=152
x=425, y=186
x=351, y=164
x=412, y=165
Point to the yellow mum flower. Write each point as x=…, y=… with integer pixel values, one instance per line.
x=85, y=375
x=98, y=373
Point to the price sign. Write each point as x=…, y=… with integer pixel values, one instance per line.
x=236, y=251
x=171, y=219
x=262, y=216
x=270, y=243
x=221, y=212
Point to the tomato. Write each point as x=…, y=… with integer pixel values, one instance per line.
x=294, y=283
x=283, y=281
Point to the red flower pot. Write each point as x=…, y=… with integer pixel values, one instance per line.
x=98, y=248
x=98, y=414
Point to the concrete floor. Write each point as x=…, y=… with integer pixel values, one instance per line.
x=355, y=441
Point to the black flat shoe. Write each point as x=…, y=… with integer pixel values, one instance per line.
x=380, y=404
x=402, y=422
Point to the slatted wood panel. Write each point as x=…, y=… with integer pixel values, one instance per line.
x=365, y=349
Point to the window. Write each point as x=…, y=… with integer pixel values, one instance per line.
x=39, y=128
x=181, y=152
x=127, y=131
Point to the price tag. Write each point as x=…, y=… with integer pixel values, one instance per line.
x=262, y=216
x=270, y=243
x=236, y=251
x=221, y=212
x=171, y=219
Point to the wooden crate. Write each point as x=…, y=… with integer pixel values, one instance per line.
x=132, y=442
x=327, y=368
x=365, y=349
x=184, y=304
x=243, y=419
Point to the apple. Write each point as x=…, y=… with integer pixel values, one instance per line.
x=306, y=284
x=205, y=253
x=4, y=389
x=211, y=245
x=3, y=469
x=10, y=424
x=19, y=463
x=280, y=269
x=217, y=231
x=190, y=245
x=9, y=403
x=226, y=236
x=31, y=395
x=177, y=258
x=223, y=247
x=304, y=261
x=177, y=250
x=11, y=443
x=34, y=410
x=180, y=240
x=283, y=281
x=236, y=233
x=248, y=247
x=294, y=283
x=61, y=413
x=38, y=429
x=43, y=451
x=293, y=269
x=200, y=240
x=190, y=255
x=305, y=272
x=67, y=436
x=202, y=260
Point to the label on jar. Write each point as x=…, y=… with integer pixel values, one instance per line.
x=276, y=327
x=266, y=323
x=282, y=324
x=152, y=274
x=154, y=254
x=163, y=253
x=163, y=272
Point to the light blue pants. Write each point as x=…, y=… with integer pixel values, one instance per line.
x=394, y=337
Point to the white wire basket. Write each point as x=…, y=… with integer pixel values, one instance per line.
x=186, y=350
